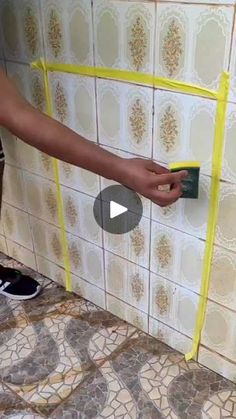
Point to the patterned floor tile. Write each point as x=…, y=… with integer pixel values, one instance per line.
x=63, y=357
x=145, y=379
x=57, y=339
x=12, y=406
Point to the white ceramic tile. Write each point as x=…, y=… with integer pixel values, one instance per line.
x=3, y=245
x=171, y=337
x=130, y=314
x=67, y=28
x=79, y=217
x=232, y=69
x=24, y=42
x=214, y=2
x=79, y=286
x=88, y=291
x=169, y=303
x=219, y=331
x=177, y=256
x=50, y=270
x=73, y=98
x=41, y=198
x=125, y=116
x=133, y=246
x=86, y=259
x=21, y=254
x=217, y=363
x=16, y=226
x=130, y=42
x=35, y=161
x=79, y=179
x=184, y=129
x=193, y=42
x=13, y=187
x=229, y=166
x=188, y=215
x=223, y=278
x=226, y=228
x=127, y=281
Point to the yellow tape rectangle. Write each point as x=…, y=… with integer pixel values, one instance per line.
x=162, y=83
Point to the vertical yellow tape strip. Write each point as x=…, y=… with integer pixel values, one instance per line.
x=58, y=189
x=217, y=160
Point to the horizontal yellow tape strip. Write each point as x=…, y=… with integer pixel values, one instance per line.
x=127, y=76
x=183, y=164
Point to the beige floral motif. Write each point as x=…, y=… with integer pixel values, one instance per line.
x=162, y=300
x=31, y=30
x=61, y=103
x=164, y=251
x=138, y=121
x=137, y=287
x=168, y=129
x=38, y=93
x=166, y=211
x=138, y=43
x=56, y=246
x=74, y=255
x=172, y=49
x=137, y=240
x=71, y=211
x=55, y=33
x=67, y=169
x=51, y=202
x=46, y=160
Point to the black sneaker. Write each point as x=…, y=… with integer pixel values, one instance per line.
x=15, y=285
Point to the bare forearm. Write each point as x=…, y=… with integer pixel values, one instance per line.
x=55, y=139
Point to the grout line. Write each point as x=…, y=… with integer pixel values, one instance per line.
x=231, y=44
x=28, y=405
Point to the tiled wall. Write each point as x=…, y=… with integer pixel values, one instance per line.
x=151, y=276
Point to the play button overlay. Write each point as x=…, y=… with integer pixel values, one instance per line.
x=118, y=209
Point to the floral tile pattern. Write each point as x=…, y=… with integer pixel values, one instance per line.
x=24, y=43
x=68, y=31
x=125, y=117
x=184, y=128
x=182, y=39
x=131, y=34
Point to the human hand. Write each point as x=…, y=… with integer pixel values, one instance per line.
x=148, y=178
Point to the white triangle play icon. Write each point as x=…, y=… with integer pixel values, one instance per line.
x=116, y=209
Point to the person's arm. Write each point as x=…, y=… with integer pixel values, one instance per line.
x=55, y=139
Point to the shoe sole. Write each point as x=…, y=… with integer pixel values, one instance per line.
x=21, y=297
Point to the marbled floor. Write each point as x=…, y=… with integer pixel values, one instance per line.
x=62, y=357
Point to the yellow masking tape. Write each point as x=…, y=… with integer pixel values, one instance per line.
x=217, y=160
x=128, y=76
x=58, y=190
x=178, y=86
